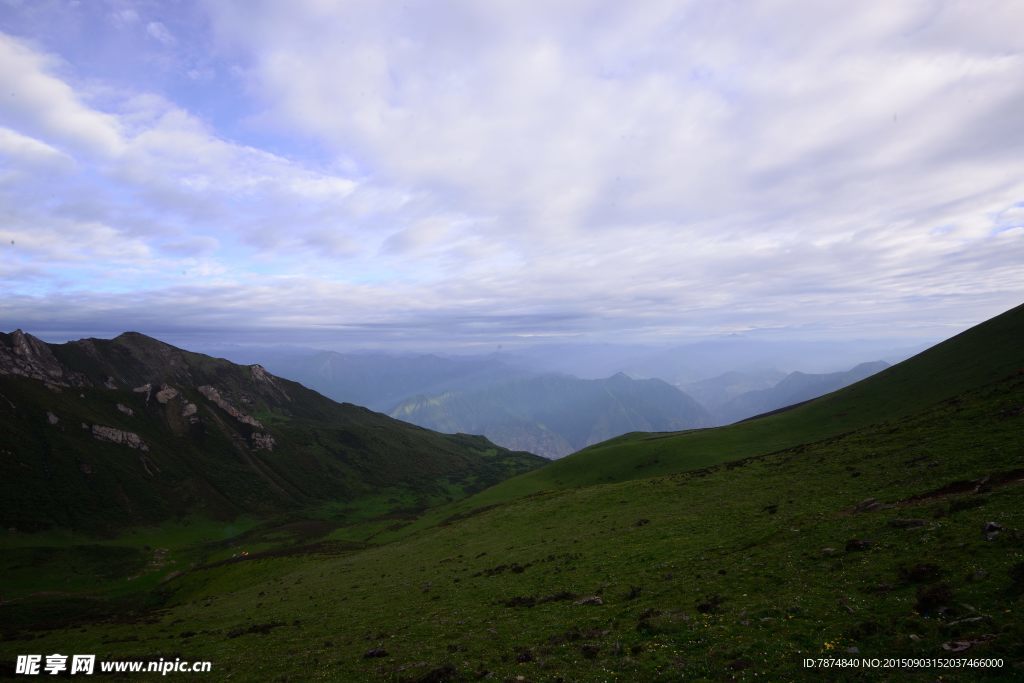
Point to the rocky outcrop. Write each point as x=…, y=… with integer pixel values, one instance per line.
x=214, y=397
x=119, y=436
x=166, y=394
x=125, y=409
x=262, y=442
x=23, y=355
x=259, y=441
x=261, y=376
x=146, y=389
x=51, y=418
x=189, y=410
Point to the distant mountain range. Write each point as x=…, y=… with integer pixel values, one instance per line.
x=796, y=387
x=101, y=434
x=688, y=363
x=714, y=392
x=381, y=381
x=554, y=415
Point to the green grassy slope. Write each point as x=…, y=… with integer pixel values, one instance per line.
x=56, y=472
x=734, y=572
x=982, y=354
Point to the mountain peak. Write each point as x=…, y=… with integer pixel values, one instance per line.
x=139, y=338
x=873, y=366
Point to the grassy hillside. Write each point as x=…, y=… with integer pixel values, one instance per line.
x=134, y=431
x=904, y=539
x=985, y=353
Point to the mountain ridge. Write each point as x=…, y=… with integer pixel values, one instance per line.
x=795, y=388
x=107, y=433
x=556, y=414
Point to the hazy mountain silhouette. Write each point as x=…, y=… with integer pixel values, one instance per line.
x=554, y=415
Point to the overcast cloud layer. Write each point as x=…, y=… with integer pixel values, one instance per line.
x=462, y=172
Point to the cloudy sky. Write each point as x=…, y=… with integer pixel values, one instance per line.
x=462, y=173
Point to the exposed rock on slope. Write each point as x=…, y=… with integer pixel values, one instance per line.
x=214, y=396
x=201, y=449
x=119, y=436
x=165, y=394
x=262, y=442
x=24, y=355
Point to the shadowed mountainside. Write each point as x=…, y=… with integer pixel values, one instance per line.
x=100, y=434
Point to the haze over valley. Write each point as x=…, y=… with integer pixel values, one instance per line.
x=520, y=402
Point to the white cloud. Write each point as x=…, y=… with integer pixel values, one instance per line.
x=29, y=150
x=148, y=184
x=40, y=104
x=788, y=140
x=160, y=33
x=572, y=168
x=125, y=16
x=706, y=112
